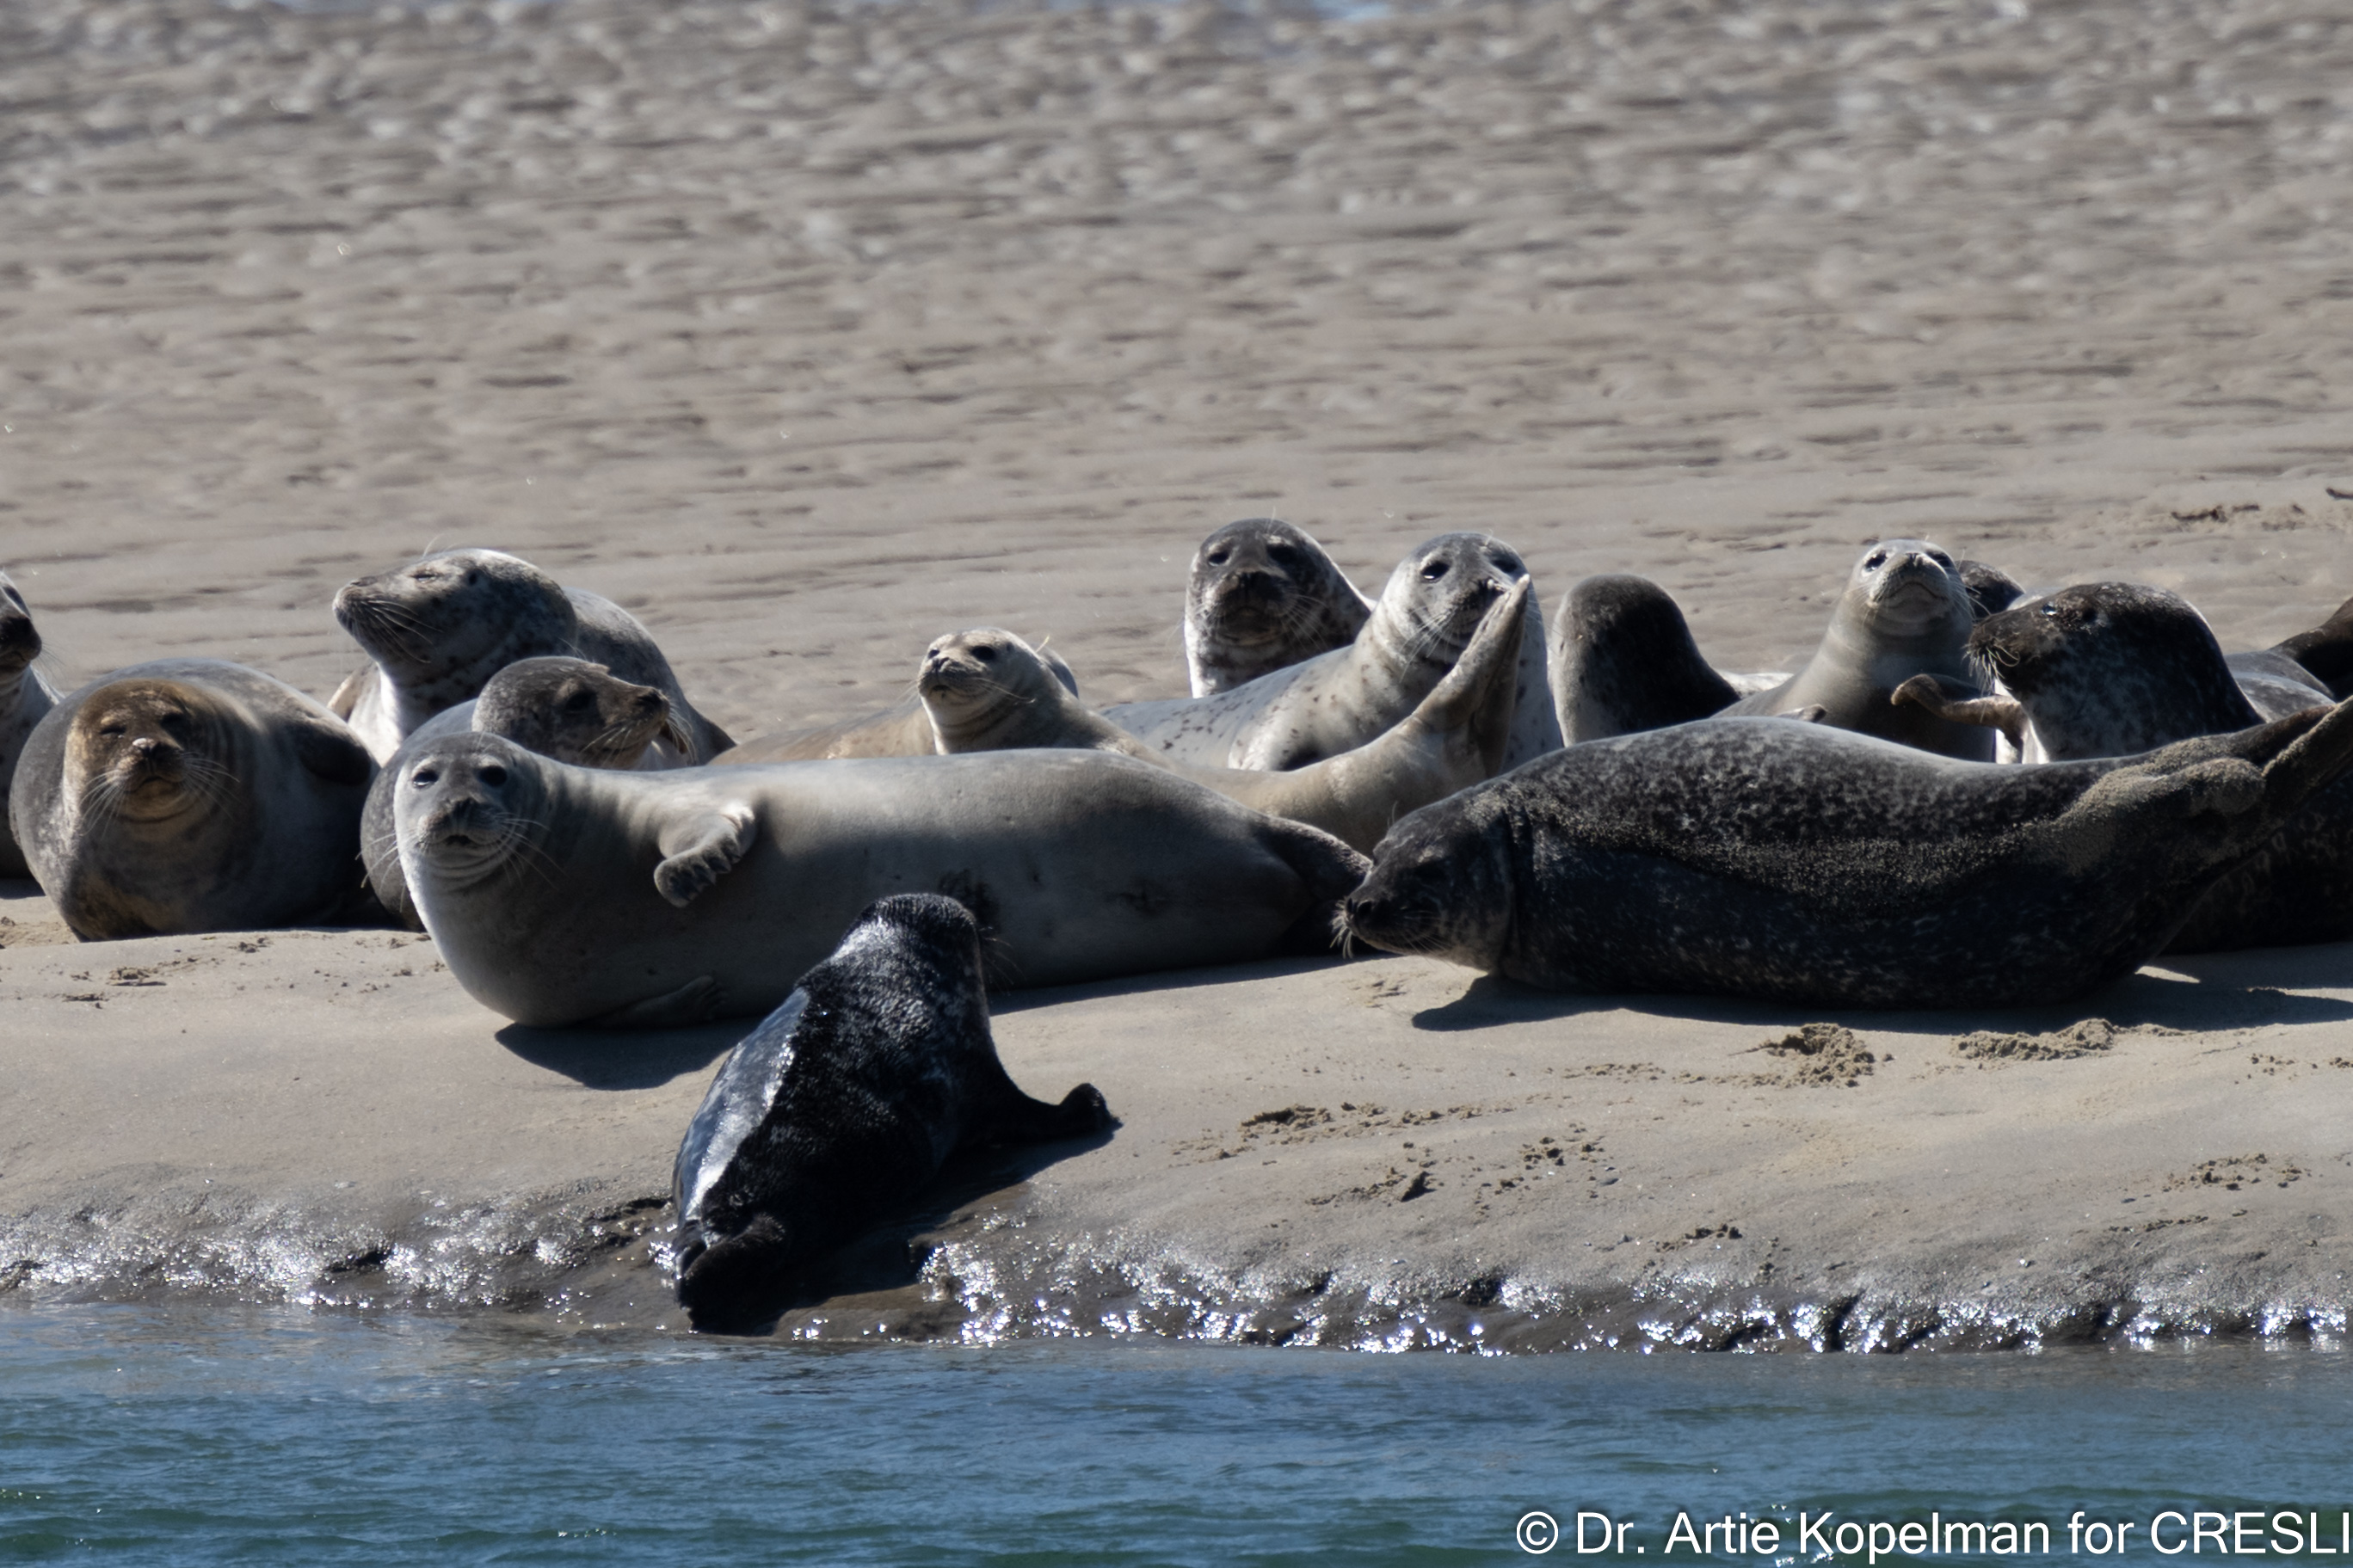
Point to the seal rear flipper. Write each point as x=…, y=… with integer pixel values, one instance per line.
x=1013, y=1117
x=347, y=695
x=700, y=850
x=740, y=1285
x=2312, y=760
x=696, y=1002
x=1332, y=871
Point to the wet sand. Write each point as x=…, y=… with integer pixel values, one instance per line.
x=809, y=336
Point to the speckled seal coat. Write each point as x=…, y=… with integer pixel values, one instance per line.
x=559, y=895
x=1262, y=596
x=1904, y=613
x=2108, y=669
x=439, y=628
x=842, y=1107
x=1337, y=701
x=26, y=698
x=1801, y=863
x=193, y=795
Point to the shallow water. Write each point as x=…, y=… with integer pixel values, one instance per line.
x=201, y=1434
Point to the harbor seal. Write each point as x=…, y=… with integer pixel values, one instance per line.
x=1806, y=864
x=2110, y=669
x=987, y=691
x=567, y=709
x=559, y=895
x=1904, y=613
x=1337, y=701
x=903, y=731
x=26, y=698
x=1623, y=661
x=1990, y=589
x=1263, y=597
x=843, y=1105
x=2323, y=655
x=441, y=628
x=193, y=795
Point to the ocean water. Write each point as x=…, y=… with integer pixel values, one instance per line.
x=202, y=1434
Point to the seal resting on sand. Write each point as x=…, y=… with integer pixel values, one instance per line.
x=566, y=709
x=1263, y=597
x=439, y=628
x=1337, y=701
x=904, y=731
x=193, y=795
x=842, y=1106
x=1802, y=863
x=2109, y=669
x=559, y=895
x=987, y=691
x=26, y=698
x=1906, y=612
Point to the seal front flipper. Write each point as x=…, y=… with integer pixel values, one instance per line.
x=331, y=753
x=699, y=850
x=1964, y=704
x=695, y=1002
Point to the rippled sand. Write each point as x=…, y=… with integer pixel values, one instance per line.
x=811, y=335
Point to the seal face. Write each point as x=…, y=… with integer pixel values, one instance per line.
x=438, y=629
x=1991, y=590
x=1802, y=863
x=903, y=731
x=843, y=1105
x=1623, y=660
x=1335, y=702
x=1904, y=613
x=1264, y=595
x=559, y=895
x=192, y=795
x=26, y=698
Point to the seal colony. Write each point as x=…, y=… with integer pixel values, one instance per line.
x=518, y=771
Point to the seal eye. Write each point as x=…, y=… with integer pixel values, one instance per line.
x=2051, y=611
x=986, y=652
x=580, y=701
x=1282, y=555
x=472, y=577
x=1505, y=563
x=1433, y=571
x=423, y=777
x=1219, y=557
x=1878, y=558
x=492, y=774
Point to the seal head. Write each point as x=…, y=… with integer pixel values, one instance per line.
x=577, y=713
x=1264, y=595
x=24, y=699
x=1623, y=660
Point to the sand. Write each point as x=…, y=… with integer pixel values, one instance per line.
x=809, y=336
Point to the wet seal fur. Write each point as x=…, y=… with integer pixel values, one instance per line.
x=26, y=698
x=439, y=628
x=1337, y=702
x=2110, y=669
x=566, y=709
x=843, y=1105
x=193, y=795
x=1906, y=612
x=987, y=690
x=903, y=731
x=559, y=895
x=1801, y=863
x=1264, y=595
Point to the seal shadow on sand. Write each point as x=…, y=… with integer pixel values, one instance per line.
x=626, y=1059
x=2186, y=992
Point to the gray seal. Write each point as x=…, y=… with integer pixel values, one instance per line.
x=901, y=731
x=987, y=691
x=193, y=795
x=842, y=1107
x=566, y=709
x=1623, y=661
x=2110, y=669
x=559, y=895
x=1264, y=595
x=26, y=698
x=1805, y=864
x=1337, y=701
x=1904, y=613
x=439, y=628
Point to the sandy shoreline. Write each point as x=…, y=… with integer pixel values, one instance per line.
x=810, y=337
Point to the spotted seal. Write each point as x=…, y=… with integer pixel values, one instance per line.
x=193, y=795
x=564, y=708
x=441, y=628
x=2110, y=669
x=1337, y=701
x=26, y=698
x=1806, y=864
x=987, y=691
x=903, y=731
x=559, y=895
x=1264, y=595
x=843, y=1105
x=1904, y=613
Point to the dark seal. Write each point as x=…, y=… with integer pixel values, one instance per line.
x=1801, y=863
x=1264, y=595
x=26, y=699
x=1991, y=590
x=842, y=1106
x=1623, y=661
